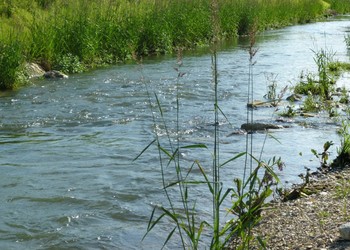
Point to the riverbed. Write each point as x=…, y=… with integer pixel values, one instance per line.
x=68, y=179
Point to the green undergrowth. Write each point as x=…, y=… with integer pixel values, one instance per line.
x=319, y=88
x=77, y=35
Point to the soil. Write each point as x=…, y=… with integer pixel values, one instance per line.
x=312, y=221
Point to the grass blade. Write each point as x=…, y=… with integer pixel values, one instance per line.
x=138, y=156
x=233, y=158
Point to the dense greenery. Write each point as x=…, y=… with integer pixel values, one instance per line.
x=72, y=35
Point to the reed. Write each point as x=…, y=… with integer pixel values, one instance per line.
x=248, y=196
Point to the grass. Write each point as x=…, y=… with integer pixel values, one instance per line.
x=248, y=195
x=91, y=33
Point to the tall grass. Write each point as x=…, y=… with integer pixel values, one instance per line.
x=248, y=196
x=11, y=65
x=340, y=6
x=98, y=32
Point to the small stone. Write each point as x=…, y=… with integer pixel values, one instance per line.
x=344, y=231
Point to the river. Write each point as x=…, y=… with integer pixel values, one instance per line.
x=68, y=179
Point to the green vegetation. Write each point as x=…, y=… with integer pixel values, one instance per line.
x=75, y=35
x=179, y=178
x=340, y=6
x=320, y=87
x=343, y=158
x=323, y=83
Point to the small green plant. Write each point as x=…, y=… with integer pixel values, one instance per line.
x=69, y=64
x=323, y=58
x=307, y=84
x=323, y=215
x=342, y=190
x=324, y=156
x=347, y=41
x=288, y=112
x=272, y=95
x=271, y=87
x=249, y=200
x=344, y=97
x=343, y=158
x=311, y=103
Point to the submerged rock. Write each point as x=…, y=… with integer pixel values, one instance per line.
x=294, y=98
x=344, y=231
x=255, y=104
x=237, y=132
x=55, y=74
x=260, y=126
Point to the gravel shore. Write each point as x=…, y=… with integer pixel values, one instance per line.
x=310, y=222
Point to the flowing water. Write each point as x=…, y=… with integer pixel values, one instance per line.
x=68, y=179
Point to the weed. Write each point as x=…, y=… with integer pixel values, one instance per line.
x=288, y=112
x=343, y=158
x=324, y=156
x=323, y=58
x=347, y=41
x=307, y=84
x=344, y=98
x=249, y=199
x=322, y=216
x=342, y=190
x=69, y=64
x=312, y=103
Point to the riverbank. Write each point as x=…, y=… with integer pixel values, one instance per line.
x=79, y=35
x=311, y=222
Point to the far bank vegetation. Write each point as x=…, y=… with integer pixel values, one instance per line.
x=73, y=36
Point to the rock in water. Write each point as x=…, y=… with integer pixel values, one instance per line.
x=345, y=231
x=294, y=98
x=55, y=74
x=259, y=126
x=33, y=70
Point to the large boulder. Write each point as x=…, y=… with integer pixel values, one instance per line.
x=259, y=126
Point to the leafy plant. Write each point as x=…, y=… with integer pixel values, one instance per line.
x=324, y=156
x=272, y=95
x=342, y=190
x=343, y=158
x=70, y=64
x=307, y=84
x=288, y=112
x=312, y=103
x=249, y=200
